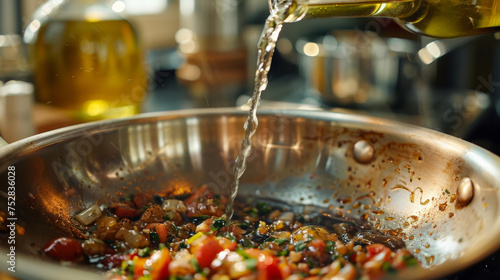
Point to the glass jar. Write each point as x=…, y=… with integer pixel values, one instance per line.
x=86, y=59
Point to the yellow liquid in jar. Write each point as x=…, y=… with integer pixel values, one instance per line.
x=437, y=18
x=94, y=70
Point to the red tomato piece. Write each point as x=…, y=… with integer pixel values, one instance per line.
x=373, y=249
x=398, y=262
x=206, y=251
x=143, y=199
x=126, y=212
x=64, y=249
x=115, y=260
x=161, y=229
x=268, y=268
x=227, y=244
x=200, y=192
x=317, y=245
x=378, y=251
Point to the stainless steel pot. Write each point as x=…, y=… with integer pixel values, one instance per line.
x=439, y=193
x=358, y=69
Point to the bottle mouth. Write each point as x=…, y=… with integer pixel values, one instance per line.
x=288, y=10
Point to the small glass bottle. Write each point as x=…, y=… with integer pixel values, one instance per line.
x=86, y=59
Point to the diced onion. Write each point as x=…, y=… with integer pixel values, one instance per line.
x=135, y=239
x=89, y=215
x=174, y=204
x=287, y=217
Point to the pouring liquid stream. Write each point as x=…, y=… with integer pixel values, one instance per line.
x=266, y=46
x=434, y=18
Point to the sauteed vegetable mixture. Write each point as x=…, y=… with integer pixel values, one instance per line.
x=160, y=236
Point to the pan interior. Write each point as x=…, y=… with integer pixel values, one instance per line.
x=409, y=187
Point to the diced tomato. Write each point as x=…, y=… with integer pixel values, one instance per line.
x=143, y=199
x=160, y=261
x=126, y=212
x=115, y=260
x=197, y=194
x=268, y=268
x=227, y=244
x=376, y=249
x=161, y=230
x=398, y=262
x=317, y=245
x=206, y=250
x=64, y=249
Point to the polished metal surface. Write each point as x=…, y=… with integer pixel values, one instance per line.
x=409, y=187
x=215, y=25
x=353, y=68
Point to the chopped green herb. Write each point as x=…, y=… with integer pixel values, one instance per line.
x=330, y=246
x=263, y=208
x=195, y=264
x=230, y=237
x=447, y=191
x=310, y=262
x=128, y=266
x=111, y=244
x=199, y=219
x=250, y=263
x=300, y=246
x=218, y=224
x=244, y=225
x=174, y=227
x=174, y=277
x=125, y=199
x=245, y=242
x=284, y=253
x=271, y=239
x=144, y=253
x=303, y=274
x=410, y=260
x=242, y=253
x=253, y=212
x=281, y=241
x=386, y=266
x=154, y=237
x=183, y=245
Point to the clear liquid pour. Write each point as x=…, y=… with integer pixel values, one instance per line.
x=266, y=47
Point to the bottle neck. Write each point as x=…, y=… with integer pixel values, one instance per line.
x=304, y=9
x=443, y=19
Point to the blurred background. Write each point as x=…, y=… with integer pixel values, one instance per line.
x=86, y=60
x=67, y=62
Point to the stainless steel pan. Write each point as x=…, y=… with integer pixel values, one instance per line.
x=439, y=193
